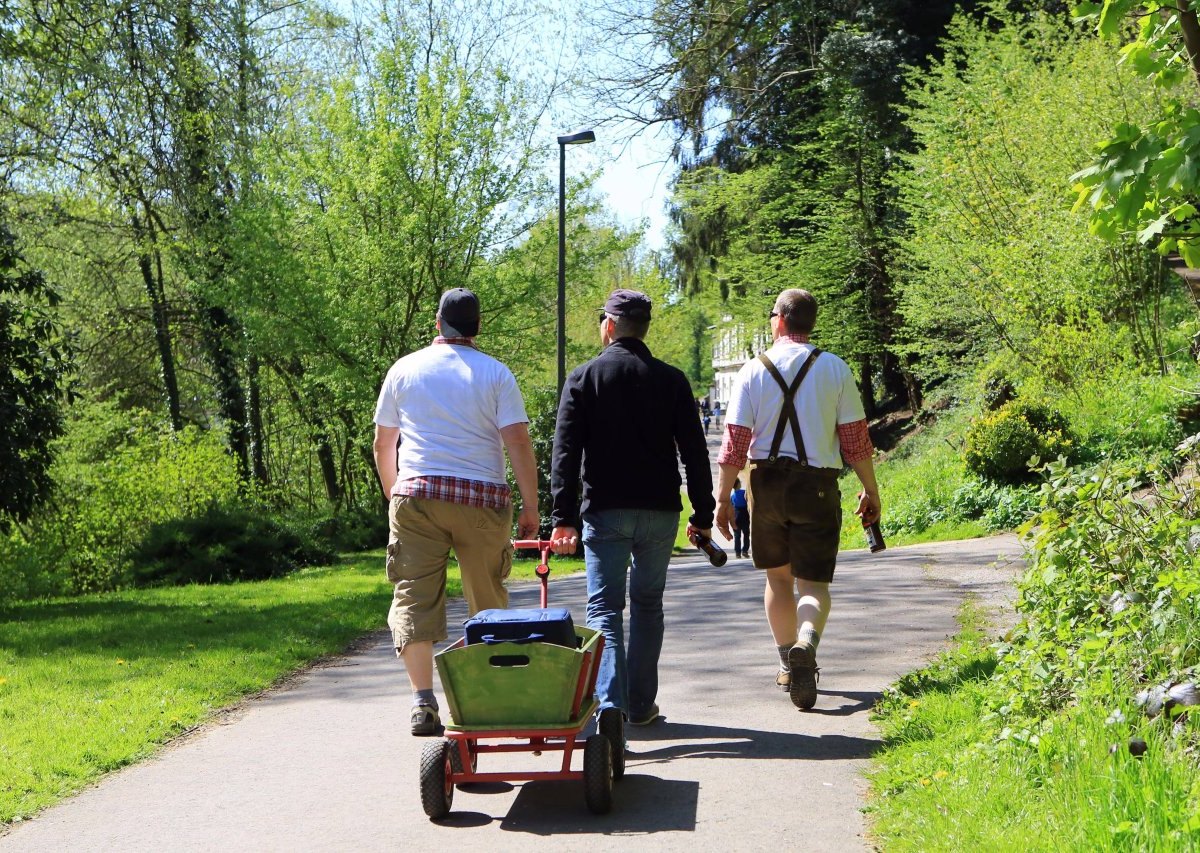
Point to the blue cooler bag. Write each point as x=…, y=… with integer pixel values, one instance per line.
x=530, y=625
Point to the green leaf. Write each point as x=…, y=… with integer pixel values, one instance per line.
x=1190, y=251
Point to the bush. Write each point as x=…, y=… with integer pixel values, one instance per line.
x=1109, y=598
x=353, y=530
x=998, y=507
x=222, y=545
x=1001, y=444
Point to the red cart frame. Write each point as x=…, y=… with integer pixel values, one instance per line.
x=453, y=760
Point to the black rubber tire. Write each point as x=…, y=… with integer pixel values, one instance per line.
x=456, y=759
x=612, y=726
x=437, y=793
x=598, y=774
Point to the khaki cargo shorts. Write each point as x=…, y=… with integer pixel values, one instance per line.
x=422, y=534
x=795, y=518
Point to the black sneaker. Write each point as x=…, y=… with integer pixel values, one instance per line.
x=645, y=719
x=425, y=721
x=802, y=661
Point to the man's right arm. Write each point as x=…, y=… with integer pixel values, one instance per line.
x=387, y=439
x=870, y=509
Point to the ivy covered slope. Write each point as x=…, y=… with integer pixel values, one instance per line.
x=1077, y=729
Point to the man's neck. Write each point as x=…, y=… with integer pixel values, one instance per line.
x=796, y=338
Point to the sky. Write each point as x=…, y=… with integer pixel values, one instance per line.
x=635, y=177
x=633, y=163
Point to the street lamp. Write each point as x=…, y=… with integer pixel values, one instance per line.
x=581, y=137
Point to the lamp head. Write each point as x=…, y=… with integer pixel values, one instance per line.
x=581, y=137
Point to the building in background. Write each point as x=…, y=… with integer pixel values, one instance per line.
x=733, y=345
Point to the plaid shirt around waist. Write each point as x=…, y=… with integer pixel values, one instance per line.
x=853, y=437
x=456, y=490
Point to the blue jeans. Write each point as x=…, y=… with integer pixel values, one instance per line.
x=610, y=538
x=741, y=533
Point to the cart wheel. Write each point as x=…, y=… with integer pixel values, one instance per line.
x=456, y=757
x=437, y=791
x=612, y=726
x=598, y=774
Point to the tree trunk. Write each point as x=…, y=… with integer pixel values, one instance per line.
x=1190, y=26
x=207, y=223
x=318, y=432
x=867, y=389
x=158, y=312
x=257, y=445
x=217, y=330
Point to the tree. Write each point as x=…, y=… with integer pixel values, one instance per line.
x=33, y=385
x=408, y=172
x=994, y=263
x=1145, y=179
x=789, y=109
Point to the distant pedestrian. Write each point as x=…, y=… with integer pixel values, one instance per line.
x=627, y=419
x=717, y=411
x=707, y=420
x=797, y=431
x=446, y=415
x=741, y=519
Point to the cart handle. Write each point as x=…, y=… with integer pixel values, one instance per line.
x=543, y=569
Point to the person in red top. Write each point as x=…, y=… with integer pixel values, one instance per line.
x=797, y=414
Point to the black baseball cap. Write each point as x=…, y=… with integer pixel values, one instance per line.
x=459, y=313
x=628, y=303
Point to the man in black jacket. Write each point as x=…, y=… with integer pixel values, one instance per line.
x=627, y=418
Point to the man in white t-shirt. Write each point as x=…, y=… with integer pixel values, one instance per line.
x=797, y=414
x=445, y=416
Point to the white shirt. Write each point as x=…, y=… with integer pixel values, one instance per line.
x=450, y=403
x=828, y=396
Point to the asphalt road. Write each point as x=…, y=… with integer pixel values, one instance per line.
x=327, y=762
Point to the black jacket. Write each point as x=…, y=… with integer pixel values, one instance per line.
x=628, y=418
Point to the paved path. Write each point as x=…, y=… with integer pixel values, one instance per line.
x=327, y=763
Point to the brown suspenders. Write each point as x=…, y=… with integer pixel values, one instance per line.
x=788, y=412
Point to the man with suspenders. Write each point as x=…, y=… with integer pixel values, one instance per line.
x=796, y=412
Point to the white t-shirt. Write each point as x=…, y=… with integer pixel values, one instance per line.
x=450, y=403
x=828, y=396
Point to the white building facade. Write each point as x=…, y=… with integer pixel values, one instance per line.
x=733, y=346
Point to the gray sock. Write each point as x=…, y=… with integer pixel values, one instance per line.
x=809, y=636
x=425, y=697
x=783, y=657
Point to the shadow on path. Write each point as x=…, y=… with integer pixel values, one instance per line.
x=641, y=804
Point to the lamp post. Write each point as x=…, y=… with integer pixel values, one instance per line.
x=581, y=137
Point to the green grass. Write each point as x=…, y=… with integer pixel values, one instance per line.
x=951, y=778
x=682, y=543
x=91, y=684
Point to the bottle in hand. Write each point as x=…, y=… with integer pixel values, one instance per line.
x=874, y=536
x=711, y=549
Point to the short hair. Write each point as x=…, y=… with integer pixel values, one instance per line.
x=627, y=327
x=798, y=308
x=737, y=482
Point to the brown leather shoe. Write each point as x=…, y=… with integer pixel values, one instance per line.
x=802, y=660
x=424, y=721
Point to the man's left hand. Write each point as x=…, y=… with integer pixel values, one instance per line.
x=528, y=523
